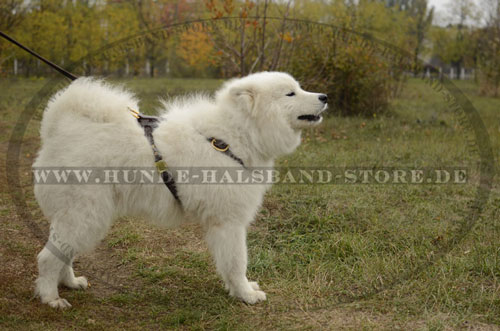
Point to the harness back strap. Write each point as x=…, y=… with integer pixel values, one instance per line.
x=149, y=123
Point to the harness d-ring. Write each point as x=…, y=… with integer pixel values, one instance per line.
x=217, y=148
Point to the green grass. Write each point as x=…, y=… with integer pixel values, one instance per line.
x=328, y=256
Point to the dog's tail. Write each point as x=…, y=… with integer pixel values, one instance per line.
x=91, y=99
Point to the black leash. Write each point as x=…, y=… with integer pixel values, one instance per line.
x=38, y=56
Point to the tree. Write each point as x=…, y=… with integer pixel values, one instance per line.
x=44, y=31
x=454, y=46
x=255, y=43
x=462, y=12
x=12, y=13
x=350, y=67
x=195, y=48
x=400, y=4
x=149, y=17
x=489, y=45
x=420, y=21
x=154, y=14
x=121, y=22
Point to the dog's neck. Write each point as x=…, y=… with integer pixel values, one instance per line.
x=258, y=137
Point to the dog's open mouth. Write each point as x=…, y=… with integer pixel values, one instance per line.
x=309, y=118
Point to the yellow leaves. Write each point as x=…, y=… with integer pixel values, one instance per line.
x=196, y=48
x=210, y=4
x=44, y=32
x=228, y=6
x=218, y=14
x=253, y=24
x=286, y=37
x=246, y=8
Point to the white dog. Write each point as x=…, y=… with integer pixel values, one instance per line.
x=88, y=125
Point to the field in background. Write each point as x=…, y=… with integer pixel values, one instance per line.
x=328, y=256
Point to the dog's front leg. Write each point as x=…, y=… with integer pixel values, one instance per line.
x=228, y=246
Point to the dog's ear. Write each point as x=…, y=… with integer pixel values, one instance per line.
x=245, y=96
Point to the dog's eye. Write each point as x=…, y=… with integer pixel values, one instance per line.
x=291, y=94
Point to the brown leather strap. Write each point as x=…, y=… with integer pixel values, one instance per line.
x=223, y=147
x=149, y=123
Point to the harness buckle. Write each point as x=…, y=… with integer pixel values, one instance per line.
x=161, y=166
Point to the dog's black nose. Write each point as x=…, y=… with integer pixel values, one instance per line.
x=323, y=98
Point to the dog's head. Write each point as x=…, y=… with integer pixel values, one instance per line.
x=272, y=96
x=277, y=105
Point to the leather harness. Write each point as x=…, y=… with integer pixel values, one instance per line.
x=149, y=123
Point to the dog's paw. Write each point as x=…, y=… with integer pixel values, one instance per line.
x=78, y=283
x=59, y=303
x=253, y=296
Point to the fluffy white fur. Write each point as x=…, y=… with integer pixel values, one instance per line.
x=88, y=125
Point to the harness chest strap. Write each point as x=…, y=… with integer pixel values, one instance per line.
x=149, y=123
x=222, y=147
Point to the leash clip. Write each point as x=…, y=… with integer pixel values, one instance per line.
x=135, y=113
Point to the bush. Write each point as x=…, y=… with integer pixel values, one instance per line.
x=358, y=81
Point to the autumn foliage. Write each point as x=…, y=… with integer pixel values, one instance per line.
x=223, y=38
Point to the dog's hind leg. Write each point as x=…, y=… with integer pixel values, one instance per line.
x=49, y=269
x=56, y=267
x=73, y=231
x=55, y=261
